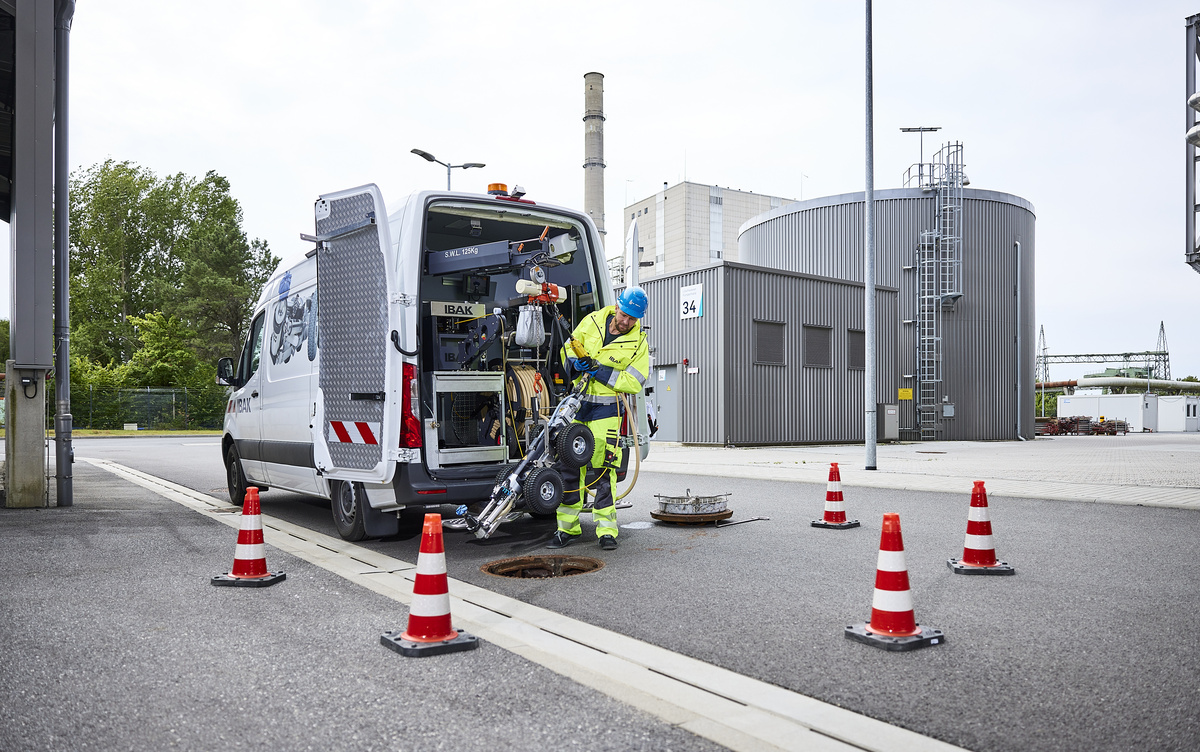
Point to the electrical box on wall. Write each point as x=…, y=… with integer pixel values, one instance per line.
x=887, y=422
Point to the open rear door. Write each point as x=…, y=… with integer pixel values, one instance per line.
x=354, y=422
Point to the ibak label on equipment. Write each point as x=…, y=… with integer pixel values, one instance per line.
x=457, y=310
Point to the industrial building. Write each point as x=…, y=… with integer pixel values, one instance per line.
x=690, y=225
x=769, y=349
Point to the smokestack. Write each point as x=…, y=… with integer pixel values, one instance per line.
x=593, y=148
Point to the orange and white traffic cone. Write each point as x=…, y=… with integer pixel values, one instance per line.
x=429, y=630
x=835, y=506
x=979, y=552
x=249, y=560
x=893, y=624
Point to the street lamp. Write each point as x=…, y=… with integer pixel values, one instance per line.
x=430, y=158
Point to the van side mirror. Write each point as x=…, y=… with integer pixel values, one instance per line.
x=225, y=372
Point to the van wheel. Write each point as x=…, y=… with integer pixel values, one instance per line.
x=235, y=479
x=347, y=510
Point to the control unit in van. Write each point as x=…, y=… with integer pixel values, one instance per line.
x=382, y=369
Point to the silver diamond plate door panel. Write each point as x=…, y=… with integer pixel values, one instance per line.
x=352, y=296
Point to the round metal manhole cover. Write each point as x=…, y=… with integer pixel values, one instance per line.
x=691, y=519
x=542, y=567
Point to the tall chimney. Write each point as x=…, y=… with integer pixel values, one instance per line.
x=593, y=148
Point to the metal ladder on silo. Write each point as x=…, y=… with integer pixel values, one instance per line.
x=949, y=223
x=929, y=341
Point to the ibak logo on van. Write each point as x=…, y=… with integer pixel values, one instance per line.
x=472, y=310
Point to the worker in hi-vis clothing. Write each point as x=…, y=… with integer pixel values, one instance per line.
x=619, y=362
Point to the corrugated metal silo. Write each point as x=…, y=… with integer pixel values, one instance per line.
x=987, y=339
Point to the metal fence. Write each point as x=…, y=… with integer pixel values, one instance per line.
x=148, y=407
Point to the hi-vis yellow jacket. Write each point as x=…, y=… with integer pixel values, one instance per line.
x=624, y=364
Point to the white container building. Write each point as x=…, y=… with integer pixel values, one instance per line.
x=1179, y=413
x=1140, y=411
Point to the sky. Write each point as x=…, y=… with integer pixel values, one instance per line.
x=1076, y=106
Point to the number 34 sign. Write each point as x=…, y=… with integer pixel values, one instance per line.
x=692, y=301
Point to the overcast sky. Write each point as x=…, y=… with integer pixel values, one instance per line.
x=1076, y=106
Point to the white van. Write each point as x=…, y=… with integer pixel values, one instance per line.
x=384, y=370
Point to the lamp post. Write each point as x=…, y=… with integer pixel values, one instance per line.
x=430, y=158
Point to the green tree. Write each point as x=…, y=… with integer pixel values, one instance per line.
x=222, y=273
x=110, y=274
x=4, y=346
x=165, y=357
x=142, y=244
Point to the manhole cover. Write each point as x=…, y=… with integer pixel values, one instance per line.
x=542, y=567
x=691, y=519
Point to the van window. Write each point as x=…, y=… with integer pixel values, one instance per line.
x=248, y=364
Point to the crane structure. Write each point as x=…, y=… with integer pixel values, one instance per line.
x=1157, y=362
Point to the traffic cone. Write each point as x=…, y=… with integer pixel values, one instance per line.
x=893, y=625
x=979, y=553
x=249, y=561
x=835, y=508
x=429, y=631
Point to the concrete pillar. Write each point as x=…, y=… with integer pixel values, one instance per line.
x=32, y=227
x=25, y=431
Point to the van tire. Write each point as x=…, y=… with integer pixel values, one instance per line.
x=235, y=477
x=347, y=502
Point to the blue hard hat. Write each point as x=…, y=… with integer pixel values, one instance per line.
x=632, y=302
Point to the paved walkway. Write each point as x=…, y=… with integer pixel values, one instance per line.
x=1156, y=469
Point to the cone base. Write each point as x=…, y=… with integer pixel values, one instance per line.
x=958, y=567
x=835, y=525
x=228, y=580
x=393, y=641
x=928, y=636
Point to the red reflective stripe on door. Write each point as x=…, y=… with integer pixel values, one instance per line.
x=340, y=430
x=364, y=430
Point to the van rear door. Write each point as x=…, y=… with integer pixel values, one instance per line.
x=355, y=422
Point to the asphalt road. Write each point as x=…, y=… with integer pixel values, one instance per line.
x=1091, y=645
x=112, y=638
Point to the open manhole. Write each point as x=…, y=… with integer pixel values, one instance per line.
x=542, y=567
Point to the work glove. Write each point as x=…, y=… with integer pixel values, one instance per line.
x=584, y=365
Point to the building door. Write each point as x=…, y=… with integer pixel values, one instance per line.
x=668, y=400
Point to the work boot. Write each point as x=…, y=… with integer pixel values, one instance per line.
x=562, y=539
x=608, y=543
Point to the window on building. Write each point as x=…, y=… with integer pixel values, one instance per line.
x=818, y=346
x=856, y=349
x=768, y=343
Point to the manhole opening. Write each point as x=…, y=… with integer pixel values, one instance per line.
x=542, y=567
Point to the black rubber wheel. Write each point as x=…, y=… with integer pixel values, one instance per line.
x=347, y=504
x=574, y=445
x=543, y=490
x=504, y=473
x=235, y=479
